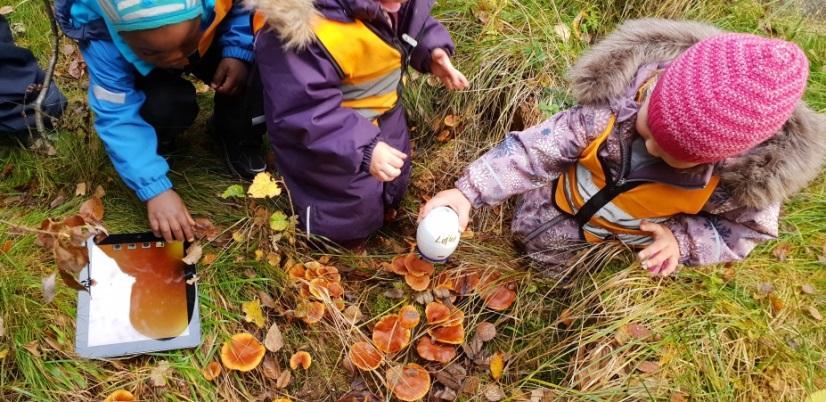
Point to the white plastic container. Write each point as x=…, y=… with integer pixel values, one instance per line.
x=438, y=234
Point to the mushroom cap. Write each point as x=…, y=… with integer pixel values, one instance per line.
x=365, y=356
x=396, y=266
x=409, y=316
x=417, y=266
x=329, y=273
x=453, y=335
x=434, y=351
x=120, y=395
x=297, y=271
x=212, y=371
x=318, y=288
x=501, y=297
x=409, y=382
x=310, y=312
x=242, y=352
x=300, y=359
x=335, y=290
x=436, y=313
x=417, y=283
x=389, y=336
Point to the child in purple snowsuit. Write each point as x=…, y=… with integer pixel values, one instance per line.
x=684, y=144
x=332, y=75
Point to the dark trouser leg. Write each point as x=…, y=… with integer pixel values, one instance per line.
x=237, y=121
x=170, y=105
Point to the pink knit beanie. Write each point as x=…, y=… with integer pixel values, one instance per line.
x=725, y=95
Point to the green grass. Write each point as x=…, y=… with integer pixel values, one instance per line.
x=713, y=336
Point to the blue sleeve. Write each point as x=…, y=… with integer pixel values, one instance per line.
x=235, y=33
x=129, y=140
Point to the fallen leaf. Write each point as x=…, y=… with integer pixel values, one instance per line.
x=279, y=221
x=637, y=331
x=493, y=393
x=444, y=136
x=808, y=289
x=212, y=371
x=6, y=247
x=92, y=209
x=273, y=259
x=80, y=189
x=99, y=191
x=234, y=191
x=238, y=237
x=764, y=289
x=274, y=341
x=270, y=368
x=3, y=353
x=253, y=312
x=266, y=299
x=6, y=10
x=777, y=304
x=782, y=251
x=33, y=347
x=497, y=365
x=394, y=293
x=649, y=367
x=263, y=186
x=193, y=254
x=159, y=374
x=284, y=379
x=729, y=273
x=204, y=228
x=815, y=313
x=49, y=290
x=209, y=259
x=563, y=32
x=677, y=397
x=565, y=317
x=353, y=314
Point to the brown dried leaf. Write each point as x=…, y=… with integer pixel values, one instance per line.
x=284, y=379
x=815, y=313
x=159, y=373
x=6, y=247
x=204, y=228
x=92, y=209
x=34, y=348
x=493, y=393
x=444, y=136
x=193, y=254
x=353, y=314
x=270, y=368
x=266, y=299
x=394, y=293
x=782, y=251
x=777, y=304
x=649, y=367
x=99, y=191
x=80, y=188
x=274, y=340
x=566, y=317
x=808, y=288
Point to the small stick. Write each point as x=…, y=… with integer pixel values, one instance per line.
x=38, y=103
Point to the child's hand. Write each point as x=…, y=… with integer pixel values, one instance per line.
x=230, y=76
x=452, y=198
x=441, y=67
x=386, y=162
x=169, y=217
x=660, y=258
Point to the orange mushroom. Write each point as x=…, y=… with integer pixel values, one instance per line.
x=296, y=271
x=436, y=313
x=335, y=290
x=409, y=317
x=409, y=382
x=434, y=351
x=310, y=312
x=416, y=266
x=212, y=371
x=453, y=335
x=243, y=352
x=330, y=273
x=302, y=359
x=417, y=283
x=444, y=281
x=318, y=288
x=501, y=297
x=389, y=336
x=365, y=356
x=396, y=266
x=467, y=283
x=120, y=395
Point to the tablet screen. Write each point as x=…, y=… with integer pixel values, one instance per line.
x=138, y=297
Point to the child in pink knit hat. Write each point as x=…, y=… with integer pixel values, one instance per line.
x=684, y=144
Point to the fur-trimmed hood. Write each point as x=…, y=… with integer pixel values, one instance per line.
x=292, y=20
x=771, y=172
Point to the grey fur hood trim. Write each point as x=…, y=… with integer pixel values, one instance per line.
x=769, y=173
x=290, y=19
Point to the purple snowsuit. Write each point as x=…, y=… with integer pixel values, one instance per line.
x=743, y=210
x=322, y=149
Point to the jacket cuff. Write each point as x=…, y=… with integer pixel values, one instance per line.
x=148, y=192
x=368, y=154
x=466, y=188
x=238, y=53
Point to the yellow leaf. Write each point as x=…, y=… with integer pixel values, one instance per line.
x=497, y=365
x=263, y=186
x=237, y=236
x=259, y=254
x=253, y=311
x=4, y=353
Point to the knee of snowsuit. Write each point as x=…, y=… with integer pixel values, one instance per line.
x=170, y=105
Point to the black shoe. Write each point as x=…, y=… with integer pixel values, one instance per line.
x=245, y=161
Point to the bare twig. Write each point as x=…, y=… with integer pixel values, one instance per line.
x=38, y=103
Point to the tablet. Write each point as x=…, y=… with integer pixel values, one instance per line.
x=140, y=298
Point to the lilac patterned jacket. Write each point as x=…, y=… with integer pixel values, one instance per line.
x=527, y=164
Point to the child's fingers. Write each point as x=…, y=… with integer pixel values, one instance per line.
x=391, y=171
x=397, y=153
x=220, y=77
x=670, y=266
x=176, y=229
x=396, y=162
x=165, y=230
x=186, y=228
x=652, y=250
x=156, y=229
x=653, y=228
x=654, y=263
